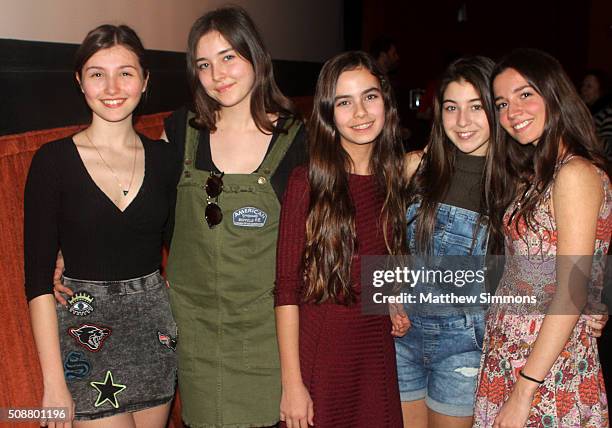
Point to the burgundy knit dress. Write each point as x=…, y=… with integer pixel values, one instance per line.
x=347, y=359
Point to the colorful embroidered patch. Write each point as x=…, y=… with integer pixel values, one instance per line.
x=107, y=390
x=81, y=304
x=90, y=336
x=76, y=366
x=167, y=340
x=249, y=217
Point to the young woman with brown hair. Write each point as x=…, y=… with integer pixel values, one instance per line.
x=439, y=357
x=540, y=367
x=337, y=364
x=103, y=196
x=237, y=149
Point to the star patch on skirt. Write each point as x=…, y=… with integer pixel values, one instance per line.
x=107, y=390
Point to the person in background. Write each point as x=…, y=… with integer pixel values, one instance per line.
x=603, y=126
x=595, y=92
x=384, y=50
x=103, y=196
x=337, y=364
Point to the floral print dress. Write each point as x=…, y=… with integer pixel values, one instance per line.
x=573, y=393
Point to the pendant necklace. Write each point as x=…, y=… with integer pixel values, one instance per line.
x=112, y=171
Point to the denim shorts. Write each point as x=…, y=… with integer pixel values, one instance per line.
x=438, y=360
x=118, y=341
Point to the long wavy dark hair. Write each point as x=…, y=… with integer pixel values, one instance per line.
x=235, y=25
x=432, y=179
x=330, y=225
x=526, y=172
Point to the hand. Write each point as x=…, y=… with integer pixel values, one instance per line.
x=58, y=397
x=515, y=411
x=597, y=319
x=296, y=408
x=596, y=324
x=58, y=287
x=399, y=319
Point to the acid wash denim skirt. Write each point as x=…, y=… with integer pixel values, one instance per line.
x=118, y=342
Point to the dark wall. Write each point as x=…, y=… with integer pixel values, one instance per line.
x=600, y=35
x=38, y=89
x=429, y=34
x=352, y=19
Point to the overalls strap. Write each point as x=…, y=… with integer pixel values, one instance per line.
x=282, y=144
x=191, y=142
x=272, y=160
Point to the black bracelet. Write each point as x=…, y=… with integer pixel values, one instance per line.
x=539, y=382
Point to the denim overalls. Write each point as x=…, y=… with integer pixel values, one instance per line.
x=439, y=358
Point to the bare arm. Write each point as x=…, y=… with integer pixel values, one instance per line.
x=296, y=407
x=296, y=404
x=577, y=198
x=399, y=318
x=41, y=245
x=411, y=163
x=45, y=330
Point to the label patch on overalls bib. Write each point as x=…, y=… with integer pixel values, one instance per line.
x=249, y=217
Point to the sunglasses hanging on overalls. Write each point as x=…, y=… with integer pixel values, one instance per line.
x=213, y=187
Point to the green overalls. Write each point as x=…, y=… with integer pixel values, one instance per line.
x=221, y=283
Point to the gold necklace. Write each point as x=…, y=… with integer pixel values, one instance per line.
x=112, y=171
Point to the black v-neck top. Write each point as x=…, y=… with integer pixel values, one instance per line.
x=64, y=208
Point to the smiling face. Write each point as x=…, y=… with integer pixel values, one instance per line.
x=464, y=119
x=359, y=110
x=225, y=76
x=521, y=109
x=113, y=82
